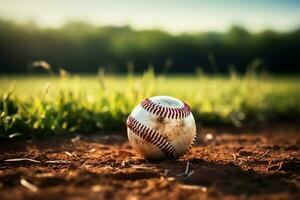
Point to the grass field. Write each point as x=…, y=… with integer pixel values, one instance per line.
x=35, y=105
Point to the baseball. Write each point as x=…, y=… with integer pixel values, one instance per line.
x=161, y=127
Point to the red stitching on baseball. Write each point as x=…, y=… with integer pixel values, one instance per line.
x=192, y=143
x=151, y=136
x=173, y=113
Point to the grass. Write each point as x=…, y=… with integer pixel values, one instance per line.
x=42, y=105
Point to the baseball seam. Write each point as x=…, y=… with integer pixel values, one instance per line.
x=166, y=112
x=192, y=143
x=151, y=136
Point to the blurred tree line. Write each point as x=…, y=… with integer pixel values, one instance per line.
x=81, y=47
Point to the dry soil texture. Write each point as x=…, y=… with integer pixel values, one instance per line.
x=228, y=164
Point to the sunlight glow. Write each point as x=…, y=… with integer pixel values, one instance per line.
x=173, y=16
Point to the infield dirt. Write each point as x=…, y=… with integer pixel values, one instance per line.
x=260, y=163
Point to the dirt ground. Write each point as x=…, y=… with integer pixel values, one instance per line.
x=261, y=163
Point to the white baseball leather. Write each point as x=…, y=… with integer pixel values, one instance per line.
x=161, y=127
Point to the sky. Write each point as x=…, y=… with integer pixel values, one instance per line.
x=175, y=16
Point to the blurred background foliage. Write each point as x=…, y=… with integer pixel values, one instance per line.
x=233, y=78
x=81, y=47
